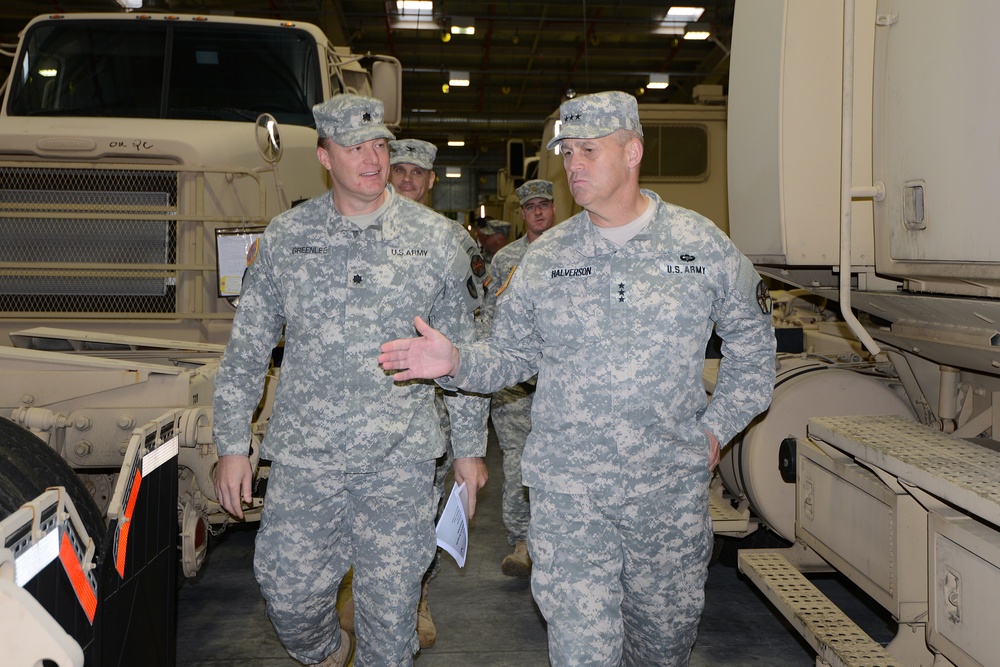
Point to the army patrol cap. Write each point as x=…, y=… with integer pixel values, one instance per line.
x=534, y=189
x=412, y=151
x=597, y=115
x=349, y=120
x=490, y=226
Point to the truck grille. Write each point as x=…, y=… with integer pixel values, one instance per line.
x=87, y=240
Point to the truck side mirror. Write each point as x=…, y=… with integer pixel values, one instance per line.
x=268, y=138
x=387, y=85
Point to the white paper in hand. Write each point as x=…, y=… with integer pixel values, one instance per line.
x=453, y=527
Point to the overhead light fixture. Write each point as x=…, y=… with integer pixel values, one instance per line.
x=458, y=78
x=415, y=8
x=675, y=18
x=697, y=31
x=453, y=172
x=658, y=81
x=456, y=141
x=482, y=210
x=463, y=26
x=424, y=110
x=48, y=72
x=685, y=14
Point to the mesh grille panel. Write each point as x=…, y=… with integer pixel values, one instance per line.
x=73, y=216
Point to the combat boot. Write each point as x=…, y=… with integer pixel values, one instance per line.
x=344, y=655
x=517, y=564
x=426, y=632
x=345, y=601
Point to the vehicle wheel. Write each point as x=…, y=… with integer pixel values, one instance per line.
x=30, y=466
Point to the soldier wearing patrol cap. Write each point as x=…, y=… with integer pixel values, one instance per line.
x=412, y=175
x=352, y=453
x=411, y=170
x=510, y=408
x=613, y=309
x=493, y=235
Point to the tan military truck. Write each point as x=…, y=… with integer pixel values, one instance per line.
x=140, y=155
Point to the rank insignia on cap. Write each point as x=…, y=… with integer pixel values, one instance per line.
x=366, y=117
x=764, y=298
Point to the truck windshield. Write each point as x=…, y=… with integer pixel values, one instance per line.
x=166, y=70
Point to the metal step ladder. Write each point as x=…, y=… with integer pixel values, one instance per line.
x=833, y=635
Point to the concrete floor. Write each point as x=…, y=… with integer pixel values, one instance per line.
x=485, y=619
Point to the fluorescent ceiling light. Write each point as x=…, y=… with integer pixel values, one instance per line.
x=461, y=26
x=456, y=142
x=675, y=18
x=48, y=72
x=452, y=172
x=458, y=78
x=658, y=81
x=424, y=110
x=685, y=14
x=697, y=31
x=415, y=7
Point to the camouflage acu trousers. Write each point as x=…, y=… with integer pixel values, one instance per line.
x=441, y=470
x=510, y=410
x=317, y=523
x=621, y=581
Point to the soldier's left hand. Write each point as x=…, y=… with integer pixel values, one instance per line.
x=714, y=451
x=473, y=472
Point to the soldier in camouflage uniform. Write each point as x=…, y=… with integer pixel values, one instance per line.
x=492, y=235
x=411, y=174
x=352, y=453
x=613, y=309
x=510, y=408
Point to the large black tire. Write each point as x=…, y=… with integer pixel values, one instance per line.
x=28, y=466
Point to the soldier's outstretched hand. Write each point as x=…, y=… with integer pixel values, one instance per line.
x=430, y=355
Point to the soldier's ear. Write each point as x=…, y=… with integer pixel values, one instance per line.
x=634, y=151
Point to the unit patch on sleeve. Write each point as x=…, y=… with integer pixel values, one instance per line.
x=764, y=298
x=478, y=266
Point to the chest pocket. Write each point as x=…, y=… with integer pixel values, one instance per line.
x=571, y=307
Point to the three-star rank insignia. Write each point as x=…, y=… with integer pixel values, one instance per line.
x=764, y=298
x=570, y=117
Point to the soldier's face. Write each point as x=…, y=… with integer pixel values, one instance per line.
x=595, y=168
x=412, y=181
x=358, y=171
x=538, y=214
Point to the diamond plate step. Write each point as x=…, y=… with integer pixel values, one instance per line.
x=835, y=637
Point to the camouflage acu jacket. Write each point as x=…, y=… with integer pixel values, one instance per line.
x=617, y=335
x=338, y=292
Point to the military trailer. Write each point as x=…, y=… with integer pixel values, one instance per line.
x=862, y=167
x=140, y=156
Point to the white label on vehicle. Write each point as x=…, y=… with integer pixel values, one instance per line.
x=33, y=560
x=159, y=456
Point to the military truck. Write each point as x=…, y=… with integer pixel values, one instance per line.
x=140, y=156
x=862, y=167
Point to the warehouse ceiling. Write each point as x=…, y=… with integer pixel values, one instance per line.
x=523, y=60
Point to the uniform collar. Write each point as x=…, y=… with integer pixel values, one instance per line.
x=592, y=244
